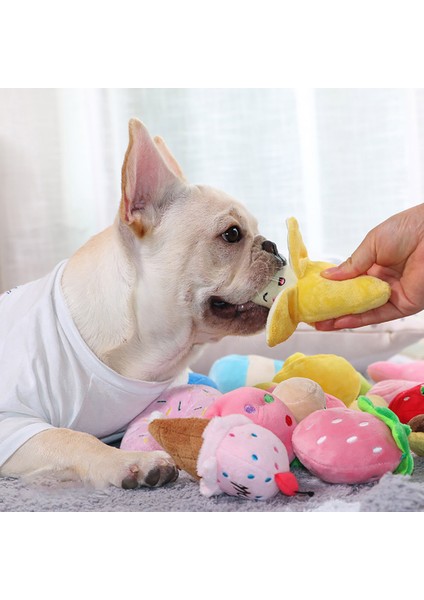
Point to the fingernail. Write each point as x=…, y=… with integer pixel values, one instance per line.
x=330, y=270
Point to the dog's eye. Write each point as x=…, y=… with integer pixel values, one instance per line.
x=232, y=235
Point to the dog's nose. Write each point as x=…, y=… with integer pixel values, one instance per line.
x=270, y=247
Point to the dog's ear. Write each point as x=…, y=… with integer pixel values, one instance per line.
x=147, y=176
x=169, y=158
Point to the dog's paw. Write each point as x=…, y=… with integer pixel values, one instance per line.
x=161, y=471
x=131, y=470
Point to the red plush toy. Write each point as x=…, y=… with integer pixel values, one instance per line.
x=409, y=403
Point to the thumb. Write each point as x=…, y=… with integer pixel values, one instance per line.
x=358, y=264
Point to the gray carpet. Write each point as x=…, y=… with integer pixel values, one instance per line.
x=393, y=493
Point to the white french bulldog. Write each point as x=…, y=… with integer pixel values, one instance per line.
x=85, y=349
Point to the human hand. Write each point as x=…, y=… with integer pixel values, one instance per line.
x=392, y=251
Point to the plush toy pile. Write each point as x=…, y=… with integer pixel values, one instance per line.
x=316, y=411
x=239, y=430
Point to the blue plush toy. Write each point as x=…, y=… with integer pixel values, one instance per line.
x=199, y=379
x=238, y=370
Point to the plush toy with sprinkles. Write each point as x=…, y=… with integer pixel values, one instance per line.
x=182, y=401
x=229, y=455
x=312, y=298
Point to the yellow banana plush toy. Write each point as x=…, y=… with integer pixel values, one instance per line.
x=300, y=294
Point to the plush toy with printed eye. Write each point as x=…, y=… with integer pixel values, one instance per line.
x=308, y=297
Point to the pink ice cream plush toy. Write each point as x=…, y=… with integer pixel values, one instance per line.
x=229, y=455
x=262, y=407
x=242, y=459
x=341, y=445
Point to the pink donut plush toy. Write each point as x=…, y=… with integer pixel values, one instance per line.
x=183, y=401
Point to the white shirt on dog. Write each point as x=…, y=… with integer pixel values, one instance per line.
x=50, y=378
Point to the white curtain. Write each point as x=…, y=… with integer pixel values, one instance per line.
x=340, y=160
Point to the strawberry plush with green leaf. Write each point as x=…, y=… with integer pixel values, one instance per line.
x=340, y=445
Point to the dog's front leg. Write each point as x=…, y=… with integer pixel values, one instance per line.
x=61, y=451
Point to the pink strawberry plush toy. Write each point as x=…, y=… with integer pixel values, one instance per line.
x=262, y=407
x=340, y=445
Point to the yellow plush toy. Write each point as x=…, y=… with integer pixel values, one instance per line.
x=333, y=373
x=308, y=297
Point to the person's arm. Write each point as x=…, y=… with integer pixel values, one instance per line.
x=394, y=252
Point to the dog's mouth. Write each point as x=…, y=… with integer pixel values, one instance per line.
x=225, y=310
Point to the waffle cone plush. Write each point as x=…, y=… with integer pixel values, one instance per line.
x=182, y=439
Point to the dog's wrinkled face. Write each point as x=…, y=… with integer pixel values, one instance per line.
x=221, y=262
x=200, y=256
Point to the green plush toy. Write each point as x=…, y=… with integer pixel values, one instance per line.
x=308, y=297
